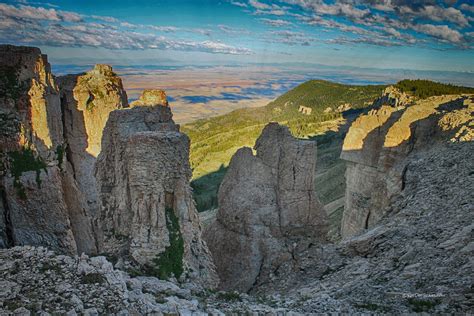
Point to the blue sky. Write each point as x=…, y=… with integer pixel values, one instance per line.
x=407, y=34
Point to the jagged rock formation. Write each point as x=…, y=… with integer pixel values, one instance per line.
x=87, y=100
x=40, y=203
x=393, y=97
x=344, y=107
x=151, y=97
x=268, y=209
x=148, y=213
x=417, y=259
x=378, y=143
x=305, y=110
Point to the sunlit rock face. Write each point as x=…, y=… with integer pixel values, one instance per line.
x=268, y=209
x=147, y=209
x=151, y=97
x=40, y=201
x=378, y=143
x=87, y=100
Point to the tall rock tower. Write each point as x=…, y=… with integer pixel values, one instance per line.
x=268, y=209
x=87, y=100
x=40, y=201
x=148, y=214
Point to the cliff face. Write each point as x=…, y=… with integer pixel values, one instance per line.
x=50, y=138
x=35, y=187
x=268, y=209
x=87, y=100
x=148, y=214
x=378, y=143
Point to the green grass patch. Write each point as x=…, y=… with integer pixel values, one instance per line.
x=50, y=267
x=23, y=161
x=93, y=278
x=229, y=296
x=60, y=155
x=418, y=305
x=170, y=262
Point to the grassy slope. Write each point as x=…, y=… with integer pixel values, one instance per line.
x=215, y=140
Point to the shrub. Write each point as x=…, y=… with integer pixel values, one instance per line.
x=229, y=296
x=419, y=306
x=93, y=278
x=23, y=161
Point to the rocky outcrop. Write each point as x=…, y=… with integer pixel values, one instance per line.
x=417, y=259
x=378, y=143
x=151, y=97
x=87, y=100
x=394, y=97
x=268, y=209
x=305, y=110
x=344, y=107
x=35, y=207
x=148, y=214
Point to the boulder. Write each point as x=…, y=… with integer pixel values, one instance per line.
x=268, y=209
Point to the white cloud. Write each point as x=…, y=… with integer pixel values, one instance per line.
x=105, y=18
x=290, y=38
x=259, y=5
x=40, y=26
x=467, y=7
x=442, y=32
x=34, y=13
x=277, y=22
x=239, y=4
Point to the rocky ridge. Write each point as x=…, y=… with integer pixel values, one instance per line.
x=268, y=209
x=417, y=259
x=378, y=143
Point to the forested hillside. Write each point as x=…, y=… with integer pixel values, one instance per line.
x=426, y=88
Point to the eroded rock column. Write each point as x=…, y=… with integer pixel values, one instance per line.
x=148, y=215
x=268, y=209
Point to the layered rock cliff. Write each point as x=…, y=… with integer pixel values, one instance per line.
x=41, y=204
x=87, y=100
x=268, y=209
x=148, y=214
x=378, y=143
